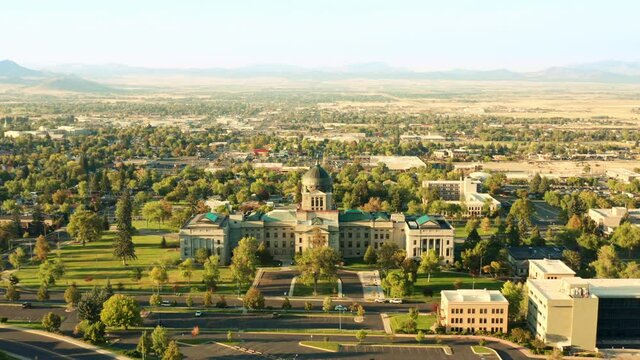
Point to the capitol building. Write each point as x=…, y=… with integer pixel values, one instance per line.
x=286, y=232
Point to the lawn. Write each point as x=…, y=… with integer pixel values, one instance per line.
x=483, y=350
x=424, y=322
x=324, y=288
x=424, y=290
x=94, y=263
x=358, y=264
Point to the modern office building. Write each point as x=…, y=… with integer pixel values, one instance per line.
x=464, y=192
x=583, y=314
x=474, y=310
x=286, y=232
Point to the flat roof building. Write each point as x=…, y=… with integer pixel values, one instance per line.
x=572, y=312
x=549, y=269
x=519, y=256
x=610, y=219
x=474, y=310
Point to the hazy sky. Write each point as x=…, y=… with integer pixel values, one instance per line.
x=422, y=35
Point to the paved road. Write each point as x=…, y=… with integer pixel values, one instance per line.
x=351, y=285
x=276, y=283
x=34, y=346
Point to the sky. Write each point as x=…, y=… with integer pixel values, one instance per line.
x=418, y=35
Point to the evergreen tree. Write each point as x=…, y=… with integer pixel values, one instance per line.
x=37, y=226
x=124, y=210
x=123, y=247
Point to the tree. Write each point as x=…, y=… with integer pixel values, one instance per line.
x=144, y=344
x=327, y=304
x=370, y=256
x=17, y=258
x=308, y=305
x=472, y=239
x=253, y=299
x=172, y=352
x=201, y=255
x=123, y=247
x=42, y=248
x=389, y=256
x=574, y=222
x=608, y=264
x=317, y=263
x=159, y=340
x=430, y=262
x=286, y=304
x=520, y=336
x=572, y=259
x=189, y=300
x=124, y=210
x=94, y=332
x=12, y=294
x=396, y=284
x=72, y=295
x=159, y=276
x=37, y=226
x=631, y=271
x=211, y=272
x=155, y=300
x=485, y=225
x=264, y=257
x=91, y=303
x=207, y=299
x=244, y=260
x=121, y=311
x=186, y=269
x=51, y=322
x=626, y=236
x=516, y=294
x=50, y=271
x=43, y=293
x=85, y=226
x=555, y=355
x=361, y=335
x=420, y=337
x=522, y=210
x=156, y=211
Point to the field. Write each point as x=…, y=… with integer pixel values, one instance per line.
x=94, y=264
x=445, y=281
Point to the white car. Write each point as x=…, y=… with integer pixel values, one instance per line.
x=396, y=301
x=380, y=300
x=198, y=313
x=340, y=308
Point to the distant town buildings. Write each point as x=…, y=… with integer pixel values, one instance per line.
x=624, y=175
x=474, y=310
x=395, y=163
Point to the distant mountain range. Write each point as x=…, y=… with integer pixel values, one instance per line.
x=12, y=73
x=73, y=77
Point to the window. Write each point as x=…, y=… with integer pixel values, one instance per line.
x=267, y=243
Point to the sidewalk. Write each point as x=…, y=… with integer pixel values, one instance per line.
x=67, y=339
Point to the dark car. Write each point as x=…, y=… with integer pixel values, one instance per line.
x=275, y=315
x=26, y=305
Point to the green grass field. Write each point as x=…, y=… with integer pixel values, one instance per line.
x=424, y=322
x=324, y=288
x=481, y=350
x=330, y=346
x=446, y=280
x=94, y=263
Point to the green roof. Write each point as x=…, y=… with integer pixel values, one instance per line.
x=423, y=219
x=279, y=215
x=211, y=216
x=359, y=215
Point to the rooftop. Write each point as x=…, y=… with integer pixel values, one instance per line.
x=467, y=295
x=550, y=266
x=535, y=252
x=397, y=162
x=559, y=289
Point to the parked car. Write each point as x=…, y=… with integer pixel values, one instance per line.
x=340, y=308
x=396, y=301
x=26, y=305
x=198, y=313
x=275, y=315
x=166, y=303
x=380, y=300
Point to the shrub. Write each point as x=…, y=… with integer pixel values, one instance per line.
x=286, y=304
x=51, y=322
x=408, y=326
x=308, y=306
x=155, y=300
x=253, y=299
x=3, y=320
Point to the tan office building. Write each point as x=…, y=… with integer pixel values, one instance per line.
x=571, y=312
x=474, y=310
